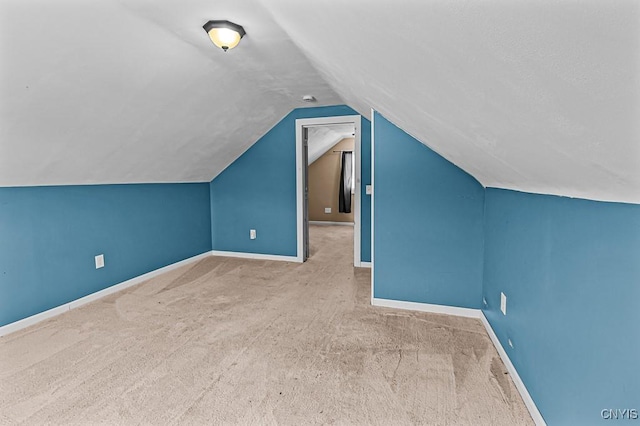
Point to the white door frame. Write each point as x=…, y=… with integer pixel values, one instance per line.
x=357, y=219
x=373, y=147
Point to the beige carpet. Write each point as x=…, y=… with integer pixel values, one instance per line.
x=228, y=341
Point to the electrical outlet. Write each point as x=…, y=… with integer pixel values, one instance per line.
x=252, y=234
x=327, y=210
x=368, y=189
x=484, y=301
x=503, y=303
x=99, y=261
x=510, y=343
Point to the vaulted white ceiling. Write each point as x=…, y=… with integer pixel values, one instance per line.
x=107, y=91
x=322, y=138
x=534, y=95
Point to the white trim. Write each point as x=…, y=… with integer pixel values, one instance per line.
x=522, y=389
x=34, y=319
x=299, y=195
x=473, y=313
x=365, y=264
x=258, y=256
x=323, y=223
x=427, y=307
x=373, y=192
x=323, y=121
x=357, y=216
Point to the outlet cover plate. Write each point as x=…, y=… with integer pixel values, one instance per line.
x=327, y=210
x=252, y=234
x=503, y=303
x=99, y=261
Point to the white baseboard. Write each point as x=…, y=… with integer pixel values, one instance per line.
x=522, y=389
x=34, y=319
x=412, y=306
x=473, y=313
x=365, y=264
x=427, y=307
x=323, y=222
x=258, y=256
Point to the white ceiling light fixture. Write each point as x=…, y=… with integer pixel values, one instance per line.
x=224, y=34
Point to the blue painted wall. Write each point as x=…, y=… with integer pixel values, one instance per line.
x=570, y=269
x=258, y=191
x=428, y=223
x=50, y=235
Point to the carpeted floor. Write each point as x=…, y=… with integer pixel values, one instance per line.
x=229, y=341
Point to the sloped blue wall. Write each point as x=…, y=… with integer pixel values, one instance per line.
x=428, y=223
x=258, y=191
x=50, y=235
x=570, y=269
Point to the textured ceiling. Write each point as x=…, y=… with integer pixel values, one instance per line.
x=322, y=138
x=536, y=95
x=107, y=91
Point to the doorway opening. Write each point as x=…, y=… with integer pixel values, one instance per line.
x=328, y=178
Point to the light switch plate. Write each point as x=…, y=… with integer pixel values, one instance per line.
x=503, y=303
x=327, y=210
x=99, y=261
x=368, y=189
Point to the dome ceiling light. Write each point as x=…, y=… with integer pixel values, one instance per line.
x=224, y=34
